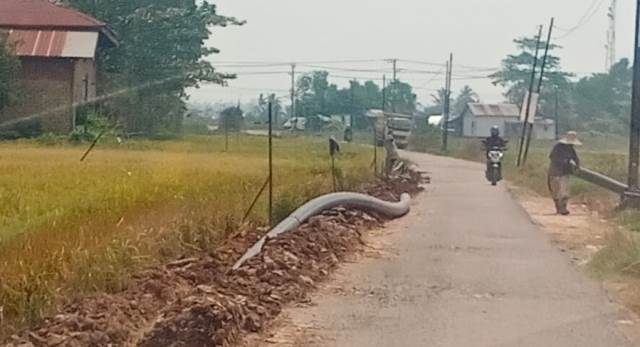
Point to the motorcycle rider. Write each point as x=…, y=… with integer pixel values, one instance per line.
x=493, y=141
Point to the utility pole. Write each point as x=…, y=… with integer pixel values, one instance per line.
x=556, y=116
x=610, y=59
x=528, y=99
x=353, y=102
x=293, y=95
x=384, y=93
x=538, y=90
x=394, y=82
x=634, y=137
x=270, y=211
x=395, y=69
x=447, y=104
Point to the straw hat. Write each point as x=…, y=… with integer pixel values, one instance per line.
x=570, y=138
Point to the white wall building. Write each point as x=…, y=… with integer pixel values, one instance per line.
x=478, y=119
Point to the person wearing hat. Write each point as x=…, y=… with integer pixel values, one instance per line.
x=564, y=161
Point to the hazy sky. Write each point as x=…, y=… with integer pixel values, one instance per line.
x=478, y=32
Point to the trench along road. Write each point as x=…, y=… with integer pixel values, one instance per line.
x=470, y=269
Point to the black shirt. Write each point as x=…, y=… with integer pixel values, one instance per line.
x=494, y=141
x=560, y=157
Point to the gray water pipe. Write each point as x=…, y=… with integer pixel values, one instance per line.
x=325, y=202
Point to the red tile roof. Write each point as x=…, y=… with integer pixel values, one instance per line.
x=53, y=43
x=43, y=14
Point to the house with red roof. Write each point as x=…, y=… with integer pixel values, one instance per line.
x=57, y=48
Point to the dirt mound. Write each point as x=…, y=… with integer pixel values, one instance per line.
x=201, y=302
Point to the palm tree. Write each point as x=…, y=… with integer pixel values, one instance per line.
x=466, y=96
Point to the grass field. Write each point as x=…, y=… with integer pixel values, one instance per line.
x=68, y=228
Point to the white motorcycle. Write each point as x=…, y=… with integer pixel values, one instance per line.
x=494, y=165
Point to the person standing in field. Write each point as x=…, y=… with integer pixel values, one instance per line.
x=564, y=161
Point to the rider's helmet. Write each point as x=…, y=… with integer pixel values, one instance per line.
x=495, y=131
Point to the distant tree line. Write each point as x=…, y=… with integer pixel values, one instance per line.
x=315, y=95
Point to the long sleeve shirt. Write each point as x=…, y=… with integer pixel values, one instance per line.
x=561, y=157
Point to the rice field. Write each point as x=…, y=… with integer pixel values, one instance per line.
x=69, y=227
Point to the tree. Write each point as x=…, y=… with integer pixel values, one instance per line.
x=231, y=119
x=465, y=96
x=515, y=76
x=602, y=101
x=9, y=67
x=316, y=95
x=401, y=97
x=161, y=52
x=262, y=109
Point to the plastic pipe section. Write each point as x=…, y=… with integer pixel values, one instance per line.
x=325, y=202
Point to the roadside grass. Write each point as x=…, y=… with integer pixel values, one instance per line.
x=69, y=228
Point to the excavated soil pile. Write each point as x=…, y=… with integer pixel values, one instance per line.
x=200, y=302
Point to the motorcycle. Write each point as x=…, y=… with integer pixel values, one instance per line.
x=494, y=165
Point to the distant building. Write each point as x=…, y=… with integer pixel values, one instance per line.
x=478, y=119
x=57, y=49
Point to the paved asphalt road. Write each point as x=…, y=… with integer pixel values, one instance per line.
x=471, y=269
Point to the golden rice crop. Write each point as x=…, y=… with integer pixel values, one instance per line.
x=69, y=227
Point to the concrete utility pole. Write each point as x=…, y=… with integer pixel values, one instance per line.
x=634, y=137
x=353, y=101
x=447, y=104
x=293, y=90
x=394, y=81
x=611, y=36
x=528, y=100
x=384, y=93
x=395, y=69
x=538, y=90
x=556, y=115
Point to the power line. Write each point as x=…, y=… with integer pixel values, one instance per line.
x=585, y=19
x=300, y=62
x=464, y=67
x=349, y=69
x=318, y=64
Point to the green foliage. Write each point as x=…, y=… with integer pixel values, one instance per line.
x=515, y=76
x=315, y=95
x=231, y=119
x=458, y=104
x=598, y=103
x=425, y=138
x=260, y=113
x=603, y=101
x=466, y=96
x=9, y=67
x=401, y=97
x=160, y=54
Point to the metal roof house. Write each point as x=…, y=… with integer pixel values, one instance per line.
x=477, y=120
x=57, y=48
